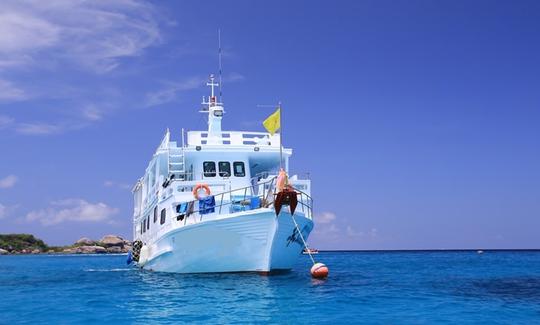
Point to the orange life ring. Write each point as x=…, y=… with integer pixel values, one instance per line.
x=198, y=187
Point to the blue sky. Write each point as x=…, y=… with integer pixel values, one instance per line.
x=418, y=121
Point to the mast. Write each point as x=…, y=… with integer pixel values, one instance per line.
x=220, y=67
x=215, y=111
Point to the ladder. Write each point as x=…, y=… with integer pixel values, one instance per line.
x=176, y=162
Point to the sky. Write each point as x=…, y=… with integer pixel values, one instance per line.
x=417, y=121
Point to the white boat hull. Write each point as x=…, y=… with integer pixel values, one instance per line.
x=251, y=241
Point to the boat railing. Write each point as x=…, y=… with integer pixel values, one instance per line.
x=260, y=195
x=233, y=138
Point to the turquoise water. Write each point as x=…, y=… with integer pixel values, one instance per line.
x=364, y=287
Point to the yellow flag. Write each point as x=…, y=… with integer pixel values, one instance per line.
x=273, y=122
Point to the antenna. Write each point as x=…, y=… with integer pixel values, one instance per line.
x=220, y=69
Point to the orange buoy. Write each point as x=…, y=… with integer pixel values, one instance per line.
x=319, y=271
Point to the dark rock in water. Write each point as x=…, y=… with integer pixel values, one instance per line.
x=115, y=250
x=112, y=240
x=85, y=241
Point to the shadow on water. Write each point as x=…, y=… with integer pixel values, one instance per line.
x=510, y=289
x=516, y=288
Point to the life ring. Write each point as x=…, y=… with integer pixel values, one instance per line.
x=198, y=187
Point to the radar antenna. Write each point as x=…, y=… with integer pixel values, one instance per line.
x=220, y=66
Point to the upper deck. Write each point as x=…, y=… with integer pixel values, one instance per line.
x=230, y=158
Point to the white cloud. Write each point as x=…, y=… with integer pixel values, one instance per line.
x=325, y=217
x=3, y=211
x=75, y=210
x=170, y=92
x=92, y=34
x=6, y=210
x=328, y=226
x=9, y=92
x=37, y=128
x=92, y=113
x=119, y=185
x=8, y=181
x=5, y=121
x=352, y=232
x=233, y=76
x=25, y=31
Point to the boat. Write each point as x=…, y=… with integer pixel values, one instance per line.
x=220, y=202
x=308, y=251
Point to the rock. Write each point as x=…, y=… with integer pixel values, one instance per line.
x=36, y=251
x=112, y=240
x=115, y=250
x=3, y=252
x=91, y=250
x=85, y=241
x=51, y=251
x=126, y=248
x=70, y=250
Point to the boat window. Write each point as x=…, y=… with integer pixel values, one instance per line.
x=163, y=215
x=143, y=225
x=155, y=214
x=209, y=168
x=148, y=222
x=239, y=170
x=224, y=169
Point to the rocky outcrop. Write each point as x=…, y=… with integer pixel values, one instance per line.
x=28, y=244
x=112, y=240
x=71, y=250
x=85, y=241
x=85, y=250
x=91, y=250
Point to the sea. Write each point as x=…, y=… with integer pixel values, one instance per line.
x=424, y=287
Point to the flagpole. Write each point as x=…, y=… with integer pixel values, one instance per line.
x=280, y=138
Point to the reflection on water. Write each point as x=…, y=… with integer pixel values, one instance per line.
x=221, y=298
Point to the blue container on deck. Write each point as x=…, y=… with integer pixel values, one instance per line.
x=207, y=205
x=255, y=203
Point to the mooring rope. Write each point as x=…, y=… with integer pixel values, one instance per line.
x=303, y=240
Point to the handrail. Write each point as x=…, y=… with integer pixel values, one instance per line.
x=235, y=138
x=266, y=197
